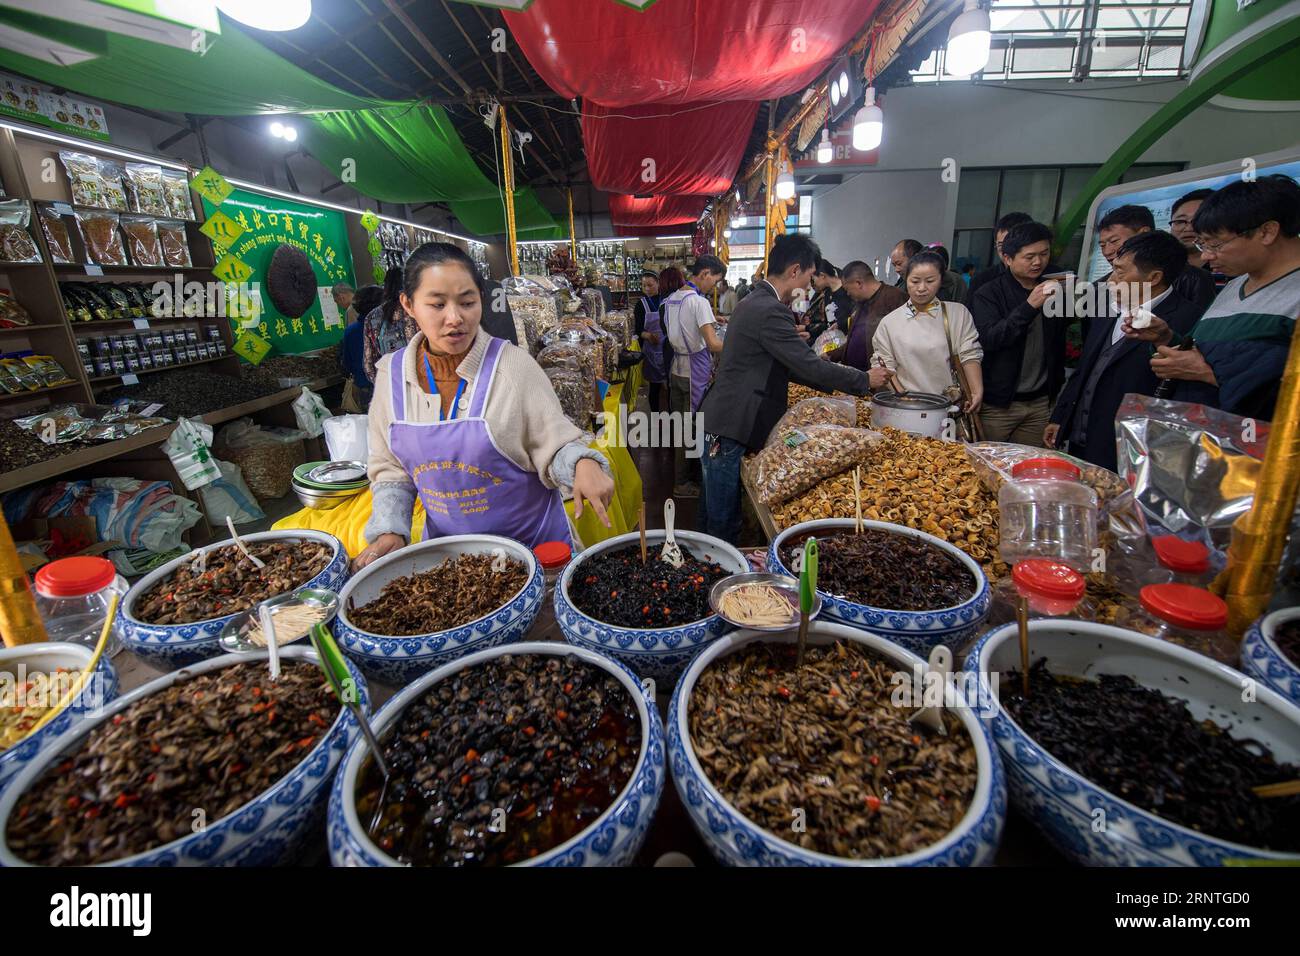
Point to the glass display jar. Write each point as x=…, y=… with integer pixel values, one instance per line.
x=72, y=596
x=554, y=557
x=1047, y=512
x=1190, y=617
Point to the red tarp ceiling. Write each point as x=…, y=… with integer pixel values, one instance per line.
x=693, y=153
x=684, y=51
x=655, y=211
x=654, y=232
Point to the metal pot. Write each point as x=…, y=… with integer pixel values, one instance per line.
x=921, y=413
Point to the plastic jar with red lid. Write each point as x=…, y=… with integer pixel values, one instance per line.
x=554, y=557
x=72, y=596
x=1179, y=561
x=1047, y=512
x=1052, y=589
x=1190, y=617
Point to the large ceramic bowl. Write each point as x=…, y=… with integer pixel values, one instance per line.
x=1262, y=659
x=917, y=631
x=175, y=645
x=273, y=828
x=399, y=660
x=736, y=840
x=613, y=839
x=49, y=657
x=1067, y=807
x=655, y=653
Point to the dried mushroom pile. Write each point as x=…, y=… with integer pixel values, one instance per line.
x=833, y=745
x=458, y=591
x=922, y=483
x=188, y=394
x=209, y=743
x=318, y=365
x=499, y=763
x=226, y=582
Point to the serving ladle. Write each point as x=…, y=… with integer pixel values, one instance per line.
x=932, y=717
x=672, y=551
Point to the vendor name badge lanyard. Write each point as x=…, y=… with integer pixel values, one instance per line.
x=458, y=404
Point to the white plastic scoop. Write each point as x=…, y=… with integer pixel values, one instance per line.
x=932, y=717
x=239, y=543
x=672, y=552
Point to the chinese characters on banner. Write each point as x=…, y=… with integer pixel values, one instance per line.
x=255, y=226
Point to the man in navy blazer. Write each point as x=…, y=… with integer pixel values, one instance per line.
x=1145, y=270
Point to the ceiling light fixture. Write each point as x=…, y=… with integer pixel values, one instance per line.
x=785, y=184
x=270, y=15
x=869, y=124
x=968, y=41
x=825, y=151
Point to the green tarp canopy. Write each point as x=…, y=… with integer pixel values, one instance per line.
x=403, y=152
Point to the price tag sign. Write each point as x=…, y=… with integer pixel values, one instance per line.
x=369, y=221
x=233, y=270
x=130, y=379
x=62, y=209
x=94, y=270
x=212, y=186
x=221, y=229
x=141, y=323
x=251, y=346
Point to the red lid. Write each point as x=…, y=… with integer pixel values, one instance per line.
x=553, y=554
x=1046, y=467
x=1185, y=606
x=1050, y=579
x=1178, y=554
x=73, y=577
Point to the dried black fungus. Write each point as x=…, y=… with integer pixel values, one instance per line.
x=229, y=582
x=1147, y=747
x=458, y=591
x=822, y=757
x=502, y=762
x=290, y=281
x=192, y=753
x=1287, y=638
x=616, y=588
x=894, y=571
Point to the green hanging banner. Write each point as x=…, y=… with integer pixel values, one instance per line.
x=265, y=224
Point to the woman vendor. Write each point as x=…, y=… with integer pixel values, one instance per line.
x=471, y=424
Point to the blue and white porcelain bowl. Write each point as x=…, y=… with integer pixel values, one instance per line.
x=736, y=840
x=1087, y=823
x=17, y=663
x=656, y=653
x=273, y=828
x=613, y=839
x=1262, y=659
x=399, y=660
x=917, y=631
x=176, y=645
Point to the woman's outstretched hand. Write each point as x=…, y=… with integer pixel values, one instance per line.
x=382, y=545
x=591, y=484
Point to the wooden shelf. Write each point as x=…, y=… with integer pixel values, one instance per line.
x=33, y=328
x=96, y=324
x=19, y=396
x=79, y=268
x=151, y=371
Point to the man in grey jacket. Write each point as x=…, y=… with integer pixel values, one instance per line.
x=761, y=354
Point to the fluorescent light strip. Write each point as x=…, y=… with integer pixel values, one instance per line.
x=157, y=161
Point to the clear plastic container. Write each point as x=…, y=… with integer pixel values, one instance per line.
x=72, y=596
x=554, y=557
x=1046, y=512
x=1180, y=561
x=1051, y=588
x=1190, y=617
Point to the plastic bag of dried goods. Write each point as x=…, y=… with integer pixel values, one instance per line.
x=310, y=412
x=801, y=457
x=829, y=341
x=266, y=461
x=190, y=454
x=347, y=437
x=229, y=496
x=823, y=410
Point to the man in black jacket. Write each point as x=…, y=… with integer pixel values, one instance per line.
x=1144, y=279
x=1024, y=349
x=761, y=354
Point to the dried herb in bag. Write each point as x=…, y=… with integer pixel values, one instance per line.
x=114, y=192
x=56, y=234
x=176, y=193
x=145, y=189
x=99, y=233
x=175, y=245
x=84, y=177
x=12, y=314
x=16, y=243
x=142, y=240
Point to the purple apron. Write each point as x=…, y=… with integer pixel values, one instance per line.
x=653, y=363
x=467, y=486
x=701, y=361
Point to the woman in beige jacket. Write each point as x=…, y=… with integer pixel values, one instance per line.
x=469, y=423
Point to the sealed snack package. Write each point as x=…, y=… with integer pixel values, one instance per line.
x=112, y=172
x=56, y=234
x=23, y=374
x=16, y=243
x=176, y=193
x=99, y=233
x=816, y=411
x=802, y=457
x=142, y=240
x=175, y=247
x=85, y=178
x=145, y=189
x=50, y=371
x=12, y=315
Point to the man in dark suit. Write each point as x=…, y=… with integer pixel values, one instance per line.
x=1144, y=280
x=761, y=355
